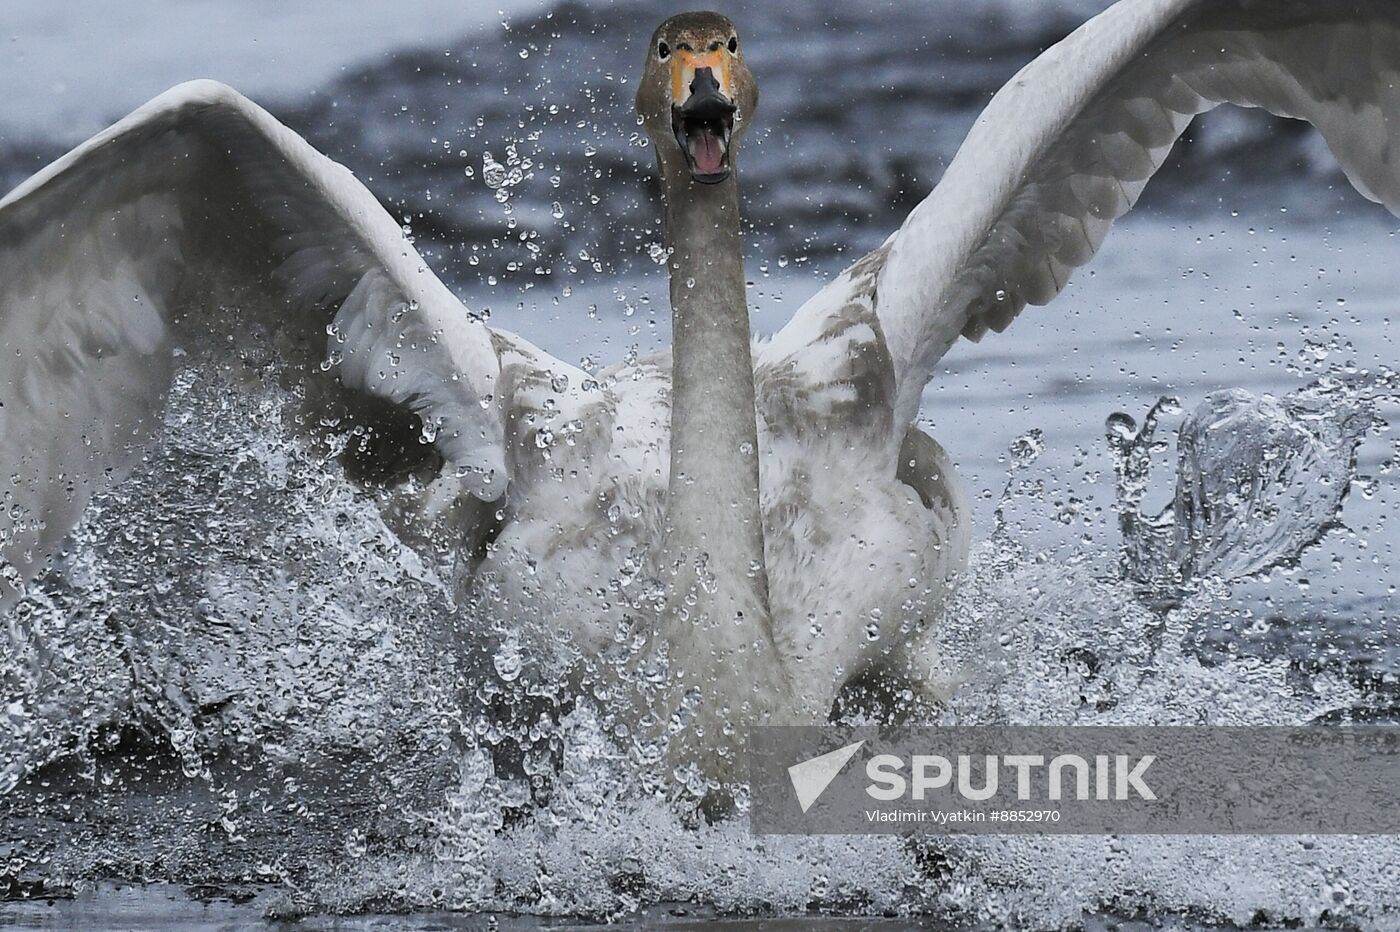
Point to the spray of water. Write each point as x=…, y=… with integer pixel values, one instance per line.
x=238, y=674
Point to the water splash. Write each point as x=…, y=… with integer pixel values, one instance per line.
x=1258, y=480
x=314, y=713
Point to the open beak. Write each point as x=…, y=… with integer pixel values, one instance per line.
x=702, y=116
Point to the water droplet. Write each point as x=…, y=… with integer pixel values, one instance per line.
x=355, y=844
x=508, y=661
x=1026, y=449
x=492, y=172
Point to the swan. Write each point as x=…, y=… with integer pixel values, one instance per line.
x=757, y=525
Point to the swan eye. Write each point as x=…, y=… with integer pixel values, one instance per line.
x=733, y=44
x=663, y=51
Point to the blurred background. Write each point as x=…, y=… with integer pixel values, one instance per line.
x=862, y=106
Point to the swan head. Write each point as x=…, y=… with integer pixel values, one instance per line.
x=696, y=95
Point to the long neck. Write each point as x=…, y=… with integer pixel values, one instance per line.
x=713, y=500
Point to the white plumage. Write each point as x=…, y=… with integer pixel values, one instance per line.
x=200, y=219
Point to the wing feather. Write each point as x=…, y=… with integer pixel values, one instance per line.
x=1067, y=146
x=143, y=240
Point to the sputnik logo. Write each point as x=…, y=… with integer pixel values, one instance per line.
x=811, y=777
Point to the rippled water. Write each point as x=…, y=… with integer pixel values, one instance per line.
x=240, y=680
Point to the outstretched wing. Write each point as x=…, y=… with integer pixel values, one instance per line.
x=1067, y=146
x=141, y=243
